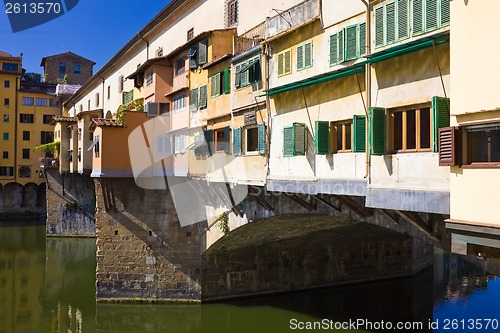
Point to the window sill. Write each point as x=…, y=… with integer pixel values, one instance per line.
x=493, y=165
x=251, y=153
x=410, y=151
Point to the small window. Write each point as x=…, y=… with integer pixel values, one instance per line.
x=109, y=92
x=6, y=101
x=76, y=69
x=149, y=78
x=7, y=66
x=5, y=154
x=232, y=12
x=26, y=135
x=97, y=100
x=6, y=171
x=41, y=101
x=219, y=83
x=294, y=140
x=252, y=140
x=53, y=102
x=284, y=62
x=24, y=172
x=190, y=34
x=341, y=136
x=304, y=56
x=81, y=107
x=179, y=103
x=6, y=118
x=248, y=72
x=46, y=137
x=483, y=143
x=222, y=139
x=411, y=129
x=26, y=118
x=120, y=84
x=62, y=71
x=6, y=84
x=28, y=101
x=180, y=66
x=6, y=136
x=26, y=154
x=88, y=105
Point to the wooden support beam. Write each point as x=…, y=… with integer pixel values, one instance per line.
x=231, y=200
x=323, y=200
x=353, y=205
x=112, y=193
x=389, y=215
x=104, y=194
x=411, y=219
x=254, y=194
x=300, y=201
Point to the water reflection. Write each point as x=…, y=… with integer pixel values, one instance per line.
x=49, y=286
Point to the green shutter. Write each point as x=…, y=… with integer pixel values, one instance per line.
x=288, y=141
x=334, y=55
x=203, y=97
x=418, y=16
x=300, y=57
x=341, y=48
x=322, y=137
x=390, y=23
x=213, y=85
x=227, y=140
x=440, y=118
x=376, y=135
x=193, y=100
x=308, y=51
x=288, y=61
x=431, y=14
x=262, y=138
x=226, y=76
x=299, y=139
x=351, y=33
x=445, y=12
x=209, y=138
x=237, y=141
x=403, y=19
x=202, y=52
x=379, y=26
x=362, y=39
x=359, y=133
x=237, y=77
x=281, y=65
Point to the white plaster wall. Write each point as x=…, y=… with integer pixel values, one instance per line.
x=335, y=11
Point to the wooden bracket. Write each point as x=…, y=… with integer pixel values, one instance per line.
x=353, y=205
x=325, y=201
x=255, y=194
x=415, y=221
x=389, y=215
x=300, y=201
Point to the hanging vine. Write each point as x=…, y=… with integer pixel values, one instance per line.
x=223, y=223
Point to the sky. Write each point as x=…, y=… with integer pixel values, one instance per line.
x=94, y=29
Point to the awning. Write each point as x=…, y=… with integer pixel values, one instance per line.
x=96, y=141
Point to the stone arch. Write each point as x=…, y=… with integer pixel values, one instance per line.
x=30, y=194
x=109, y=115
x=12, y=196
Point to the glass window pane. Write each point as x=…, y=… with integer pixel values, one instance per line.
x=411, y=129
x=425, y=128
x=398, y=130
x=339, y=137
x=348, y=136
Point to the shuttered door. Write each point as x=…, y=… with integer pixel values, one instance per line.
x=334, y=56
x=288, y=141
x=431, y=14
x=300, y=57
x=308, y=55
x=359, y=135
x=237, y=141
x=202, y=52
x=262, y=138
x=227, y=81
x=299, y=138
x=227, y=140
x=379, y=26
x=351, y=42
x=445, y=12
x=390, y=23
x=322, y=137
x=209, y=137
x=403, y=19
x=362, y=39
x=418, y=16
x=376, y=133
x=440, y=118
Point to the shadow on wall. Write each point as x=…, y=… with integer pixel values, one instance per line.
x=16, y=198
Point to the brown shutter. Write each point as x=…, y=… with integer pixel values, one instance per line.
x=448, y=146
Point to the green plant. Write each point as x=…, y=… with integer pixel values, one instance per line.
x=70, y=206
x=53, y=147
x=223, y=223
x=135, y=105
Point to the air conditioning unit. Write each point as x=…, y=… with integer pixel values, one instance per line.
x=151, y=109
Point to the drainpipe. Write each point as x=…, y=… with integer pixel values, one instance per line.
x=147, y=47
x=368, y=85
x=103, y=91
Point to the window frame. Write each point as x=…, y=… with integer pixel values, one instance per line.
x=40, y=101
x=251, y=74
x=28, y=101
x=334, y=145
x=177, y=105
x=282, y=68
x=6, y=101
x=25, y=153
x=26, y=118
x=149, y=78
x=232, y=12
x=404, y=130
x=77, y=69
x=466, y=161
x=26, y=135
x=6, y=83
x=245, y=140
x=300, y=50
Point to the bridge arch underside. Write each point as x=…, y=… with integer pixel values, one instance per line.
x=295, y=252
x=21, y=199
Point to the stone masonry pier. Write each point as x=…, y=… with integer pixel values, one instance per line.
x=287, y=253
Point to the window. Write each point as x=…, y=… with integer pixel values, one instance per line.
x=294, y=140
x=6, y=84
x=411, y=129
x=190, y=34
x=79, y=131
x=6, y=101
x=219, y=83
x=76, y=69
x=304, y=56
x=46, y=137
x=203, y=97
x=120, y=84
x=232, y=12
x=347, y=44
x=24, y=171
x=251, y=139
x=6, y=171
x=53, y=102
x=180, y=66
x=88, y=105
x=97, y=100
x=222, y=139
x=483, y=143
x=62, y=71
x=429, y=15
x=26, y=118
x=5, y=154
x=164, y=108
x=193, y=100
x=7, y=66
x=28, y=101
x=180, y=103
x=26, y=135
x=47, y=119
x=341, y=134
x=149, y=78
x=392, y=22
x=5, y=136
x=248, y=72
x=41, y=101
x=285, y=62
x=6, y=118
x=26, y=154
x=109, y=92
x=180, y=143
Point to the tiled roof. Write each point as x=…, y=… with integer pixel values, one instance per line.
x=217, y=60
x=103, y=122
x=65, y=119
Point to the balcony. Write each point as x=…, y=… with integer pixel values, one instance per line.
x=181, y=81
x=48, y=163
x=292, y=18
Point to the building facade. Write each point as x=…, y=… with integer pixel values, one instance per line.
x=67, y=68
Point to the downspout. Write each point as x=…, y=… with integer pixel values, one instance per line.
x=147, y=47
x=103, y=99
x=16, y=123
x=368, y=90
